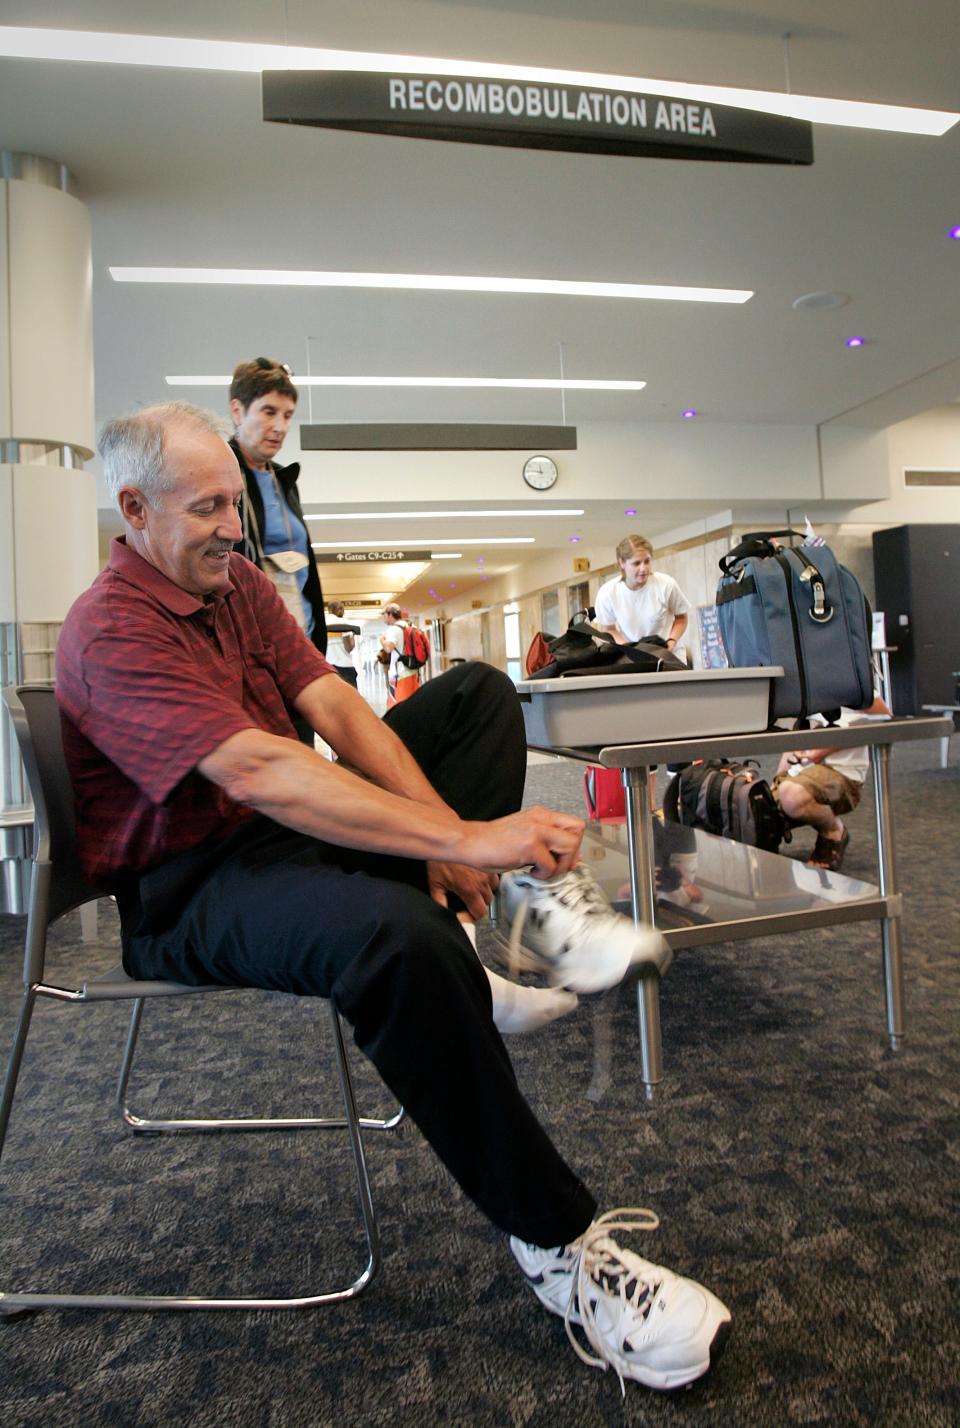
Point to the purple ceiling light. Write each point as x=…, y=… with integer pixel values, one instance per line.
x=855, y=341
x=954, y=232
x=690, y=412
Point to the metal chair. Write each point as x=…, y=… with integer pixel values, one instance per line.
x=58, y=887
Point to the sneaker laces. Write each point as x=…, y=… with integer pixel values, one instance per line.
x=601, y=1262
x=576, y=890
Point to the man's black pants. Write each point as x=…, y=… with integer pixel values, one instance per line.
x=273, y=908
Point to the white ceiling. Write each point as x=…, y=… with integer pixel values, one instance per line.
x=178, y=168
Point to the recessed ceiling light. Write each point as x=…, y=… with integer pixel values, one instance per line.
x=519, y=514
x=817, y=302
x=574, y=540
x=172, y=52
x=547, y=384
x=630, y=511
x=954, y=232
x=425, y=282
x=855, y=341
x=690, y=412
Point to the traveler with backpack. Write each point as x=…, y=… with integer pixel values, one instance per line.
x=816, y=786
x=406, y=659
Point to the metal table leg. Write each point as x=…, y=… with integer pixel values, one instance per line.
x=890, y=931
x=643, y=904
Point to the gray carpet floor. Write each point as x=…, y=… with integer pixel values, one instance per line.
x=806, y=1174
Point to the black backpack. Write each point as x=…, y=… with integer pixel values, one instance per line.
x=727, y=799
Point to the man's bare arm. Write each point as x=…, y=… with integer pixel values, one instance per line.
x=286, y=781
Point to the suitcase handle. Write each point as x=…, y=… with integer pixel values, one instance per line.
x=754, y=543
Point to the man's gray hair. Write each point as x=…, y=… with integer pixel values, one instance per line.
x=132, y=447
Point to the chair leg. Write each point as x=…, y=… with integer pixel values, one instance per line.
x=147, y=1125
x=356, y=1145
x=16, y=1057
x=12, y=1305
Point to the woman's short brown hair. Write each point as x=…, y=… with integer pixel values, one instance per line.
x=632, y=545
x=252, y=380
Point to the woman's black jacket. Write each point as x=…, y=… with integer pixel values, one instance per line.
x=287, y=478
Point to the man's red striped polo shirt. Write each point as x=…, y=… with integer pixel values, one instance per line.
x=150, y=680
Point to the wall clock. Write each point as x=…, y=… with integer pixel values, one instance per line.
x=540, y=472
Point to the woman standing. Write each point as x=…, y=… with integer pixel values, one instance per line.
x=263, y=401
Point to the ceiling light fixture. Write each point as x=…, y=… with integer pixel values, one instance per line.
x=426, y=282
x=438, y=515
x=689, y=413
x=177, y=52
x=954, y=232
x=855, y=341
x=546, y=384
x=423, y=541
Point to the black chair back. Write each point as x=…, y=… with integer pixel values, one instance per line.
x=35, y=714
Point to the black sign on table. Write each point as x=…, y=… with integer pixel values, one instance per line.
x=533, y=114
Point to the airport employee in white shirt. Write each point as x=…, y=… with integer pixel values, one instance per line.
x=640, y=601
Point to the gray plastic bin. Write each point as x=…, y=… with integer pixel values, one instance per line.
x=589, y=710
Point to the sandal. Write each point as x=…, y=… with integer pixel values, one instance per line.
x=828, y=853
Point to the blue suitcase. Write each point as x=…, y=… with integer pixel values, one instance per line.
x=799, y=608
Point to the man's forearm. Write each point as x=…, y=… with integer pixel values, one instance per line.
x=294, y=786
x=365, y=743
x=288, y=782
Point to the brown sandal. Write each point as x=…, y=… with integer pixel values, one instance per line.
x=828, y=853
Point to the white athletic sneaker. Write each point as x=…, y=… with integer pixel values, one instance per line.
x=566, y=928
x=640, y=1319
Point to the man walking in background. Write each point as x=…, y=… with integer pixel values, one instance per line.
x=403, y=682
x=341, y=644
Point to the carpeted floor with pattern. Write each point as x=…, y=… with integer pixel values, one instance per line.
x=807, y=1175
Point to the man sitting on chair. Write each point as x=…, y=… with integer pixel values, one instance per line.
x=240, y=857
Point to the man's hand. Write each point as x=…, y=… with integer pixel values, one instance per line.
x=540, y=839
x=472, y=886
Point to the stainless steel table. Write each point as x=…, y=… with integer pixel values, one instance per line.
x=814, y=899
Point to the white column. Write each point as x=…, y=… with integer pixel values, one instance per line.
x=48, y=509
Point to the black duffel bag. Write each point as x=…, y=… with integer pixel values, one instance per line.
x=582, y=650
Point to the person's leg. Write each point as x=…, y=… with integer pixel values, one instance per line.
x=466, y=732
x=799, y=803
x=286, y=912
x=817, y=796
x=282, y=912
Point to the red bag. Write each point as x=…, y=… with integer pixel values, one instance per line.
x=604, y=791
x=538, y=655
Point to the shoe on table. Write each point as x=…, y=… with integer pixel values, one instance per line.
x=638, y=1318
x=565, y=928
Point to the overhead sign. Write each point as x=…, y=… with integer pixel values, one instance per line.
x=435, y=436
x=356, y=557
x=533, y=115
